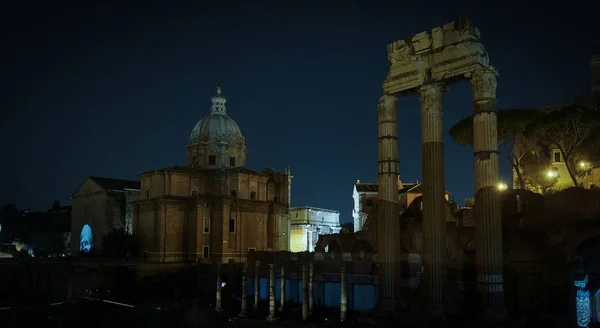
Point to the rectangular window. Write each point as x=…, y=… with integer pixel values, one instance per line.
x=253, y=195
x=232, y=225
x=233, y=193
x=212, y=160
x=557, y=157
x=206, y=225
x=232, y=161
x=206, y=252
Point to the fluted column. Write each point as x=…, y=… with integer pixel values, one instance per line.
x=244, y=311
x=434, y=201
x=388, y=228
x=282, y=289
x=271, y=316
x=311, y=288
x=488, y=230
x=256, y=285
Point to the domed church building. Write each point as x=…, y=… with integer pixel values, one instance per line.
x=214, y=209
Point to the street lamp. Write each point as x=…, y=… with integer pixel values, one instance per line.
x=552, y=174
x=502, y=186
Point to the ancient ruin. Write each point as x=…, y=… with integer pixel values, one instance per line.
x=427, y=64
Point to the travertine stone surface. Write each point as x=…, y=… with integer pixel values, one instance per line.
x=388, y=227
x=488, y=226
x=271, y=316
x=434, y=200
x=282, y=281
x=447, y=54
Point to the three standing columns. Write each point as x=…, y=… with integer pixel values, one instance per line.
x=488, y=225
x=388, y=225
x=434, y=197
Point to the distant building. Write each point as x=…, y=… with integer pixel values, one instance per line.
x=99, y=205
x=308, y=223
x=214, y=209
x=365, y=195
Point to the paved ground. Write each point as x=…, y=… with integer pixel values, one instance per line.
x=92, y=314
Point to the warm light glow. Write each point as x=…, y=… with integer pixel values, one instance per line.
x=582, y=164
x=502, y=186
x=552, y=174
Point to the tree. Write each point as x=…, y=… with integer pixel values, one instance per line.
x=535, y=179
x=120, y=200
x=469, y=202
x=118, y=243
x=56, y=206
x=566, y=128
x=511, y=127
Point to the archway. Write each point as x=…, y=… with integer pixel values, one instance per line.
x=85, y=239
x=333, y=247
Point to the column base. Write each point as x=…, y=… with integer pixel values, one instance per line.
x=280, y=309
x=243, y=314
x=272, y=319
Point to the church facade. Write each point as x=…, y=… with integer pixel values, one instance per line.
x=214, y=209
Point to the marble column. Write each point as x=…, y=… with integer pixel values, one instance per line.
x=244, y=311
x=434, y=197
x=304, y=292
x=343, y=295
x=256, y=285
x=271, y=316
x=311, y=288
x=218, y=300
x=488, y=225
x=388, y=225
x=282, y=289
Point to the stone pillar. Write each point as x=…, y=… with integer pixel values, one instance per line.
x=282, y=289
x=256, y=285
x=343, y=295
x=271, y=316
x=388, y=228
x=486, y=211
x=311, y=288
x=244, y=311
x=434, y=198
x=218, y=300
x=304, y=293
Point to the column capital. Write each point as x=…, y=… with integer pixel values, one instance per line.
x=483, y=83
x=386, y=108
x=431, y=97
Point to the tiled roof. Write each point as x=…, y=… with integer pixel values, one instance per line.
x=116, y=184
x=366, y=187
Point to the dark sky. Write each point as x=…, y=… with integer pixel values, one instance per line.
x=114, y=90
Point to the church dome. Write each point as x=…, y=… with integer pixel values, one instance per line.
x=216, y=140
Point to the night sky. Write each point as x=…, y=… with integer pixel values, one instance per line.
x=115, y=90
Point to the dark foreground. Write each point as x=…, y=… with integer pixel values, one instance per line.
x=92, y=314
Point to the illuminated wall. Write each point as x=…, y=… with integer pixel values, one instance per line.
x=85, y=239
x=307, y=223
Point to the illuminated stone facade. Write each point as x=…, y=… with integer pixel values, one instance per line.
x=365, y=197
x=308, y=223
x=214, y=209
x=99, y=203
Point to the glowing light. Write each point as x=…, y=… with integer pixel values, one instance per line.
x=582, y=164
x=552, y=174
x=85, y=239
x=502, y=186
x=582, y=303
